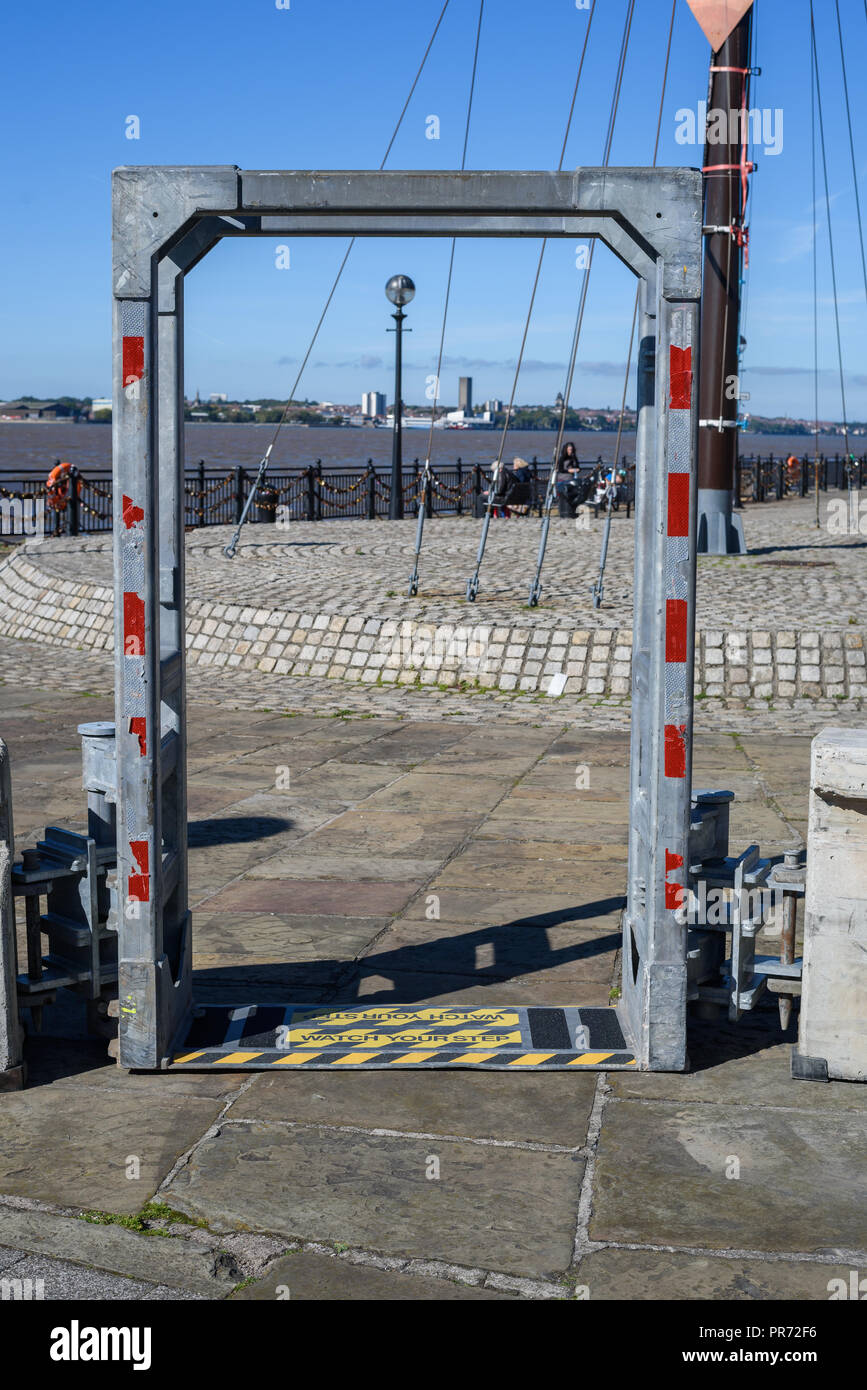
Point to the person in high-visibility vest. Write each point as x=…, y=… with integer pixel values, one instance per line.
x=793, y=471
x=59, y=483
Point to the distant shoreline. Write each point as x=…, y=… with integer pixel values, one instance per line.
x=26, y=451
x=802, y=433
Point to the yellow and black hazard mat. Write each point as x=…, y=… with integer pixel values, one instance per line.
x=260, y=1036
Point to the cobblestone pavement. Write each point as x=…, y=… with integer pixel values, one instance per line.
x=26, y=665
x=551, y=1186
x=796, y=574
x=800, y=602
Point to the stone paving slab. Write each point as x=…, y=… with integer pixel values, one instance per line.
x=61, y=1280
x=504, y=907
x=551, y=1110
x=498, y=952
x=528, y=865
x=317, y=897
x=295, y=936
x=311, y=865
x=160, y=1259
x=427, y=791
x=660, y=1275
x=512, y=1210
x=303, y=1277
x=71, y=1147
x=83, y=1063
x=373, y=984
x=744, y=1063
x=661, y=1178
x=394, y=833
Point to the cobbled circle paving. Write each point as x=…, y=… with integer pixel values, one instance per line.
x=327, y=600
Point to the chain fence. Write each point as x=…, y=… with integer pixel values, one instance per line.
x=216, y=497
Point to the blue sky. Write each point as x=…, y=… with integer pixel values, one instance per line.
x=320, y=85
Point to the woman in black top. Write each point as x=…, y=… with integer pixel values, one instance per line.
x=568, y=468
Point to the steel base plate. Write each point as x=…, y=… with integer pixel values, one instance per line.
x=257, y=1037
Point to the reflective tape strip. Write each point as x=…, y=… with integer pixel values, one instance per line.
x=441, y=1059
x=133, y=360
x=133, y=317
x=139, y=885
x=673, y=891
x=680, y=378
x=678, y=504
x=676, y=623
x=133, y=625
x=675, y=750
x=677, y=552
x=131, y=513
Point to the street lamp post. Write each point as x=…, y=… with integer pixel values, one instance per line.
x=400, y=290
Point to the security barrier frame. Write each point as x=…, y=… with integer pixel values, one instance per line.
x=165, y=220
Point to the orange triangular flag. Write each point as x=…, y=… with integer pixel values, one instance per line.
x=718, y=17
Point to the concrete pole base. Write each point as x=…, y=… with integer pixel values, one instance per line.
x=719, y=532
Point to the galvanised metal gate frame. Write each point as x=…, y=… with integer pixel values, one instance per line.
x=165, y=219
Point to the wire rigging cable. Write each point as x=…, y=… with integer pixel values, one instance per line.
x=230, y=549
x=815, y=284
x=832, y=256
x=473, y=581
x=427, y=480
x=738, y=221
x=598, y=587
x=551, y=490
x=852, y=145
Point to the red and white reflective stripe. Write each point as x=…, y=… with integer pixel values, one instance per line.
x=136, y=742
x=132, y=322
x=133, y=634
x=131, y=513
x=133, y=625
x=673, y=891
x=678, y=484
x=677, y=550
x=139, y=884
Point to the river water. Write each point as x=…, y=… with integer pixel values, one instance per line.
x=34, y=448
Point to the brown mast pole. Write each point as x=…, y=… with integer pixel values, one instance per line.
x=719, y=532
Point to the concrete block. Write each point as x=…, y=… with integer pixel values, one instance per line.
x=11, y=1069
x=833, y=1023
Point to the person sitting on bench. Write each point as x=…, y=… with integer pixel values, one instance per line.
x=513, y=488
x=521, y=492
x=572, y=489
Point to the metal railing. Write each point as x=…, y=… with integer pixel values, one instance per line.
x=216, y=497
x=772, y=479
